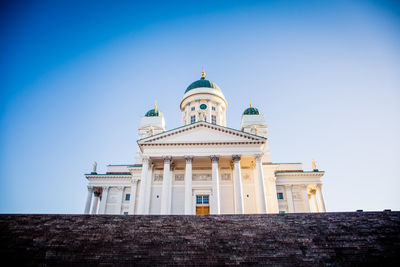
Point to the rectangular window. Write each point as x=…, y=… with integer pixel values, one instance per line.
x=125, y=213
x=281, y=212
x=213, y=119
x=280, y=195
x=127, y=196
x=202, y=200
x=193, y=119
x=192, y=108
x=213, y=108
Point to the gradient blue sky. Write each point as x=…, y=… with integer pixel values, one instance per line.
x=77, y=76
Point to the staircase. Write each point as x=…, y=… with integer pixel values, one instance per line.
x=338, y=239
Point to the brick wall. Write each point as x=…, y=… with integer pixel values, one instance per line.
x=288, y=239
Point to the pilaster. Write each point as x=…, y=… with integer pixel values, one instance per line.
x=289, y=198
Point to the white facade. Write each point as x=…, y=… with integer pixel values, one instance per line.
x=204, y=167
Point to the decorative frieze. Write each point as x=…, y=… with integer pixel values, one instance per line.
x=158, y=177
x=226, y=177
x=202, y=177
x=179, y=177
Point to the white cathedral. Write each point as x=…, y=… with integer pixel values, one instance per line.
x=204, y=167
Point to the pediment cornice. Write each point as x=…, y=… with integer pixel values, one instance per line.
x=241, y=137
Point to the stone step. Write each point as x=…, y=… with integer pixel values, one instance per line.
x=350, y=238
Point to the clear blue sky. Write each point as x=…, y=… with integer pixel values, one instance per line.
x=77, y=76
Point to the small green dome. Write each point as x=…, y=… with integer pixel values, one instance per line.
x=153, y=113
x=202, y=83
x=251, y=111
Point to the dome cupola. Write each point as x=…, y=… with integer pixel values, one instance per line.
x=202, y=83
x=203, y=100
x=153, y=112
x=251, y=111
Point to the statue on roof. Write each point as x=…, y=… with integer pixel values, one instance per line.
x=314, y=165
x=95, y=167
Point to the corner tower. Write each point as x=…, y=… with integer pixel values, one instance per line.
x=253, y=122
x=203, y=101
x=152, y=123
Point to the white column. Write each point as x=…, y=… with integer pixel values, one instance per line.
x=95, y=202
x=289, y=198
x=261, y=184
x=314, y=197
x=143, y=181
x=120, y=197
x=305, y=198
x=215, y=207
x=172, y=175
x=132, y=199
x=104, y=194
x=88, y=199
x=238, y=185
x=148, y=190
x=165, y=186
x=321, y=198
x=188, y=185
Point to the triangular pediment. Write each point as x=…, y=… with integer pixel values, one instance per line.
x=204, y=133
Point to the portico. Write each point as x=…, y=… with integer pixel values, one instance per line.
x=193, y=176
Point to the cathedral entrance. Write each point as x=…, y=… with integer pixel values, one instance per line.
x=202, y=204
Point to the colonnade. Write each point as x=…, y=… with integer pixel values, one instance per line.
x=215, y=206
x=311, y=194
x=101, y=192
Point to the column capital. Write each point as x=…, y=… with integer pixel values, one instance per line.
x=145, y=158
x=167, y=159
x=259, y=156
x=120, y=188
x=189, y=159
x=90, y=188
x=236, y=158
x=134, y=180
x=311, y=189
x=105, y=188
x=214, y=159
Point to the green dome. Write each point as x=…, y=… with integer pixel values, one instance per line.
x=251, y=111
x=202, y=83
x=153, y=113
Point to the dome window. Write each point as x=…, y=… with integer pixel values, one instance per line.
x=203, y=106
